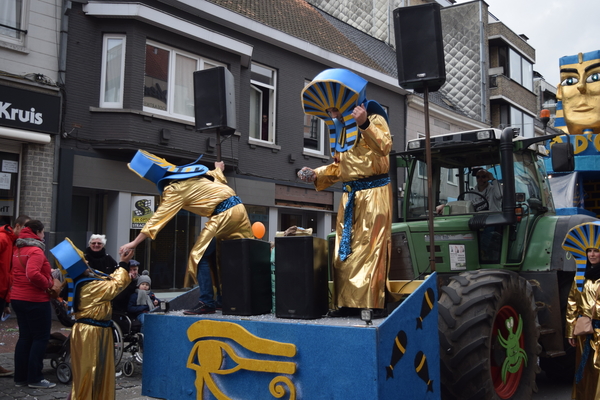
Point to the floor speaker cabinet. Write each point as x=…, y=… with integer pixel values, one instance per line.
x=420, y=47
x=214, y=100
x=301, y=287
x=246, y=276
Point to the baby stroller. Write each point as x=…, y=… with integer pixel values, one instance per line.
x=58, y=350
x=58, y=347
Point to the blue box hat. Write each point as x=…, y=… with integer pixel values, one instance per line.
x=159, y=171
x=70, y=260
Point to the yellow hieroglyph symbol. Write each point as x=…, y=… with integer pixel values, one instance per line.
x=206, y=357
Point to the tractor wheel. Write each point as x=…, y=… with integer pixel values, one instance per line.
x=489, y=333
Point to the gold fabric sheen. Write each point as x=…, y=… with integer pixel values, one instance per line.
x=585, y=302
x=360, y=281
x=92, y=347
x=200, y=196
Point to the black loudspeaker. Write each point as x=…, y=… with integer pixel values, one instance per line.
x=301, y=287
x=246, y=276
x=214, y=100
x=420, y=47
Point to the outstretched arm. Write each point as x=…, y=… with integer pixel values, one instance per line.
x=127, y=249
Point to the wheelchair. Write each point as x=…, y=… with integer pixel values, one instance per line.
x=129, y=341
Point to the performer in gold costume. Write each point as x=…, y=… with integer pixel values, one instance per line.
x=579, y=94
x=208, y=196
x=361, y=263
x=91, y=340
x=583, y=242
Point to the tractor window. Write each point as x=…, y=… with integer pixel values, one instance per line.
x=526, y=177
x=418, y=192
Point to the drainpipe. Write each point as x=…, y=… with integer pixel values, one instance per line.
x=62, y=61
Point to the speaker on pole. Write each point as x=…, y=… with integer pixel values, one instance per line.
x=214, y=100
x=420, y=47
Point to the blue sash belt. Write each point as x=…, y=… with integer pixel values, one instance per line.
x=351, y=188
x=586, y=352
x=227, y=204
x=95, y=322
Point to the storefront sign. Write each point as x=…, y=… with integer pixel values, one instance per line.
x=7, y=207
x=142, y=209
x=28, y=110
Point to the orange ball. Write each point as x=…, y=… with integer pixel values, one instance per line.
x=258, y=229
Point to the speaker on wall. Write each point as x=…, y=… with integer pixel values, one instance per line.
x=301, y=286
x=420, y=47
x=246, y=276
x=214, y=100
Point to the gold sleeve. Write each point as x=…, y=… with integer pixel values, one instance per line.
x=572, y=313
x=218, y=175
x=377, y=135
x=170, y=204
x=327, y=176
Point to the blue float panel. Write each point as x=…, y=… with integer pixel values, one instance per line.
x=262, y=357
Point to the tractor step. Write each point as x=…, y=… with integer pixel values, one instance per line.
x=555, y=353
x=547, y=331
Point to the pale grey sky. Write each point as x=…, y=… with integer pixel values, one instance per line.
x=555, y=28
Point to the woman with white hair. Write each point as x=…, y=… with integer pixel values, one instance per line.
x=96, y=255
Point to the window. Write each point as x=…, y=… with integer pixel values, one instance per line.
x=511, y=116
x=12, y=21
x=314, y=132
x=519, y=119
x=169, y=81
x=521, y=70
x=262, y=103
x=452, y=176
x=113, y=70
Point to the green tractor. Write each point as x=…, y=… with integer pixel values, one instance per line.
x=503, y=275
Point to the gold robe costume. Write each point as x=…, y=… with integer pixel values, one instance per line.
x=583, y=303
x=360, y=280
x=200, y=196
x=92, y=347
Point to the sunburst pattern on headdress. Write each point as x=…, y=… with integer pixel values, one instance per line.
x=578, y=240
x=341, y=89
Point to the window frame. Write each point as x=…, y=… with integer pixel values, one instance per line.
x=172, y=80
x=321, y=132
x=272, y=99
x=103, y=77
x=520, y=69
x=451, y=179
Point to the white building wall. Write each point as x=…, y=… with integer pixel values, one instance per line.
x=39, y=54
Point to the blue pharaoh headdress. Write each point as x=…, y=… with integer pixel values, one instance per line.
x=578, y=240
x=159, y=171
x=344, y=90
x=71, y=262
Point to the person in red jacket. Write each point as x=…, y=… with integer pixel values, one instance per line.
x=30, y=298
x=8, y=236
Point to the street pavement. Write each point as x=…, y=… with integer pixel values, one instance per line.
x=127, y=388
